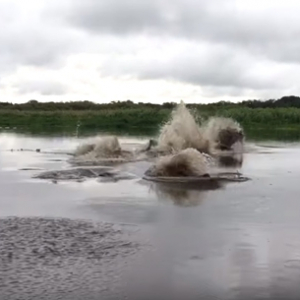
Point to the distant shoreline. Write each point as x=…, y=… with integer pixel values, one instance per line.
x=146, y=117
x=259, y=118
x=275, y=123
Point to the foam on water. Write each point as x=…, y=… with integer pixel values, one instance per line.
x=102, y=147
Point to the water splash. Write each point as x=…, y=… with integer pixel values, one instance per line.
x=100, y=147
x=223, y=134
x=77, y=129
x=184, y=147
x=181, y=132
x=188, y=162
x=102, y=151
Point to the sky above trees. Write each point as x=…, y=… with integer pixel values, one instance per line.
x=151, y=50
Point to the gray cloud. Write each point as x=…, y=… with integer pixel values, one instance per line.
x=117, y=16
x=202, y=65
x=128, y=16
x=270, y=31
x=45, y=88
x=28, y=39
x=213, y=44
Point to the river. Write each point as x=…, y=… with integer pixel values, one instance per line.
x=240, y=241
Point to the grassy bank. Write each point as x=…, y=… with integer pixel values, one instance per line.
x=136, y=121
x=143, y=117
x=145, y=120
x=87, y=119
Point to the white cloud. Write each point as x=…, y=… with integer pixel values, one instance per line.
x=154, y=51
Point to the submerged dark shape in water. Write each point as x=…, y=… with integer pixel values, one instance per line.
x=188, y=166
x=224, y=134
x=227, y=138
x=82, y=173
x=188, y=162
x=205, y=179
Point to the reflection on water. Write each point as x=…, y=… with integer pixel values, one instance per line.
x=253, y=133
x=79, y=131
x=273, y=134
x=180, y=197
x=182, y=194
x=231, y=161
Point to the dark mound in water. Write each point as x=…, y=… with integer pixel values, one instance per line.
x=224, y=134
x=188, y=166
x=79, y=174
x=188, y=162
x=206, y=181
x=60, y=258
x=227, y=138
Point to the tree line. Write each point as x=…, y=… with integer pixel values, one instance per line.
x=34, y=105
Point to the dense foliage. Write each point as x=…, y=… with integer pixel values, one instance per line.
x=33, y=105
x=126, y=115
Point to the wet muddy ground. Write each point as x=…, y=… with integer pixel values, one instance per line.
x=112, y=240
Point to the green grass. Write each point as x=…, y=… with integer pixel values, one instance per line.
x=141, y=121
x=88, y=119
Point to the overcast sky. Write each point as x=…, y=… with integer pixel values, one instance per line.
x=149, y=50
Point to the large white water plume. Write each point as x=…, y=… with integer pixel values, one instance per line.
x=181, y=132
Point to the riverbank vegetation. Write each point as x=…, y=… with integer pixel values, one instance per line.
x=143, y=117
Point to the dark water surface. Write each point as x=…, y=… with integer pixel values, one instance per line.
x=238, y=242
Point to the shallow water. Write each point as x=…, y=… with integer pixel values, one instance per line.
x=240, y=241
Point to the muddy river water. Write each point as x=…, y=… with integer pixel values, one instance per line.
x=241, y=241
